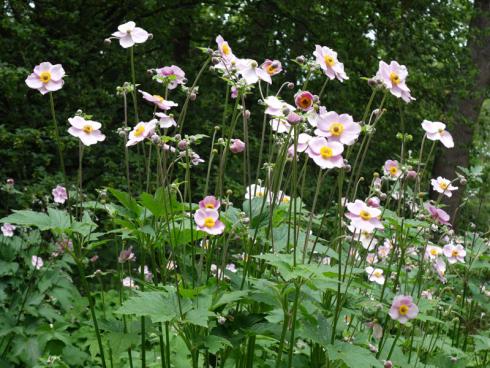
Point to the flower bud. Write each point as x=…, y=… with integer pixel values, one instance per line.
x=215, y=60
x=182, y=145
x=290, y=85
x=229, y=192
x=411, y=174
x=193, y=96
x=347, y=168
x=382, y=196
x=155, y=138
x=246, y=114
x=293, y=118
x=107, y=41
x=463, y=181
x=10, y=181
x=300, y=59
x=150, y=36
x=388, y=364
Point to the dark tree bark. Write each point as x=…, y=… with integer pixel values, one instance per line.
x=467, y=109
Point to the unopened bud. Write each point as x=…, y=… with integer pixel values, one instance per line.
x=300, y=59
x=382, y=196
x=182, y=145
x=229, y=192
x=290, y=85
x=107, y=41
x=463, y=181
x=10, y=181
x=348, y=168
x=155, y=138
x=193, y=96
x=215, y=60
x=388, y=364
x=150, y=36
x=246, y=114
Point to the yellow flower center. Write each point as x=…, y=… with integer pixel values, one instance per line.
x=377, y=273
x=260, y=194
x=393, y=170
x=433, y=251
x=285, y=200
x=271, y=69
x=209, y=205
x=395, y=79
x=225, y=49
x=209, y=222
x=159, y=98
x=329, y=60
x=326, y=152
x=403, y=309
x=443, y=185
x=336, y=129
x=305, y=102
x=139, y=131
x=45, y=77
x=88, y=129
x=454, y=253
x=365, y=215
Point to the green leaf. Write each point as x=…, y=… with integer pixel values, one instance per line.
x=29, y=218
x=352, y=356
x=134, y=210
x=215, y=343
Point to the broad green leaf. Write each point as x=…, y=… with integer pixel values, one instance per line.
x=352, y=356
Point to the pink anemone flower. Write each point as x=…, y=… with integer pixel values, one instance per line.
x=237, y=146
x=392, y=170
x=171, y=75
x=364, y=217
x=209, y=202
x=331, y=66
x=393, y=77
x=158, y=100
x=454, y=253
x=304, y=100
x=87, y=131
x=436, y=131
x=272, y=67
x=128, y=34
x=141, y=131
x=46, y=77
x=207, y=220
x=438, y=214
x=59, y=194
x=326, y=154
x=403, y=309
x=335, y=127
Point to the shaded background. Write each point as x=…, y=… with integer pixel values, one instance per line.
x=444, y=44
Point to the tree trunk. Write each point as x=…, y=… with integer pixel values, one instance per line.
x=467, y=109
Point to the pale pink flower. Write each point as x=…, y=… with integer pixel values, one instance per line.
x=258, y=191
x=392, y=169
x=331, y=66
x=364, y=217
x=237, y=146
x=367, y=240
x=427, y=294
x=207, y=220
x=280, y=125
x=234, y=92
x=375, y=275
x=403, y=309
x=8, y=230
x=384, y=250
x=272, y=67
x=196, y=159
x=129, y=283
x=373, y=202
x=443, y=185
x=165, y=121
x=303, y=100
x=433, y=252
x=46, y=78
x=59, y=194
x=337, y=127
x=209, y=202
x=231, y=267
x=147, y=273
x=37, y=262
x=141, y=131
x=225, y=49
x=440, y=268
x=438, y=214
x=87, y=131
x=158, y=101
x=128, y=34
x=393, y=77
x=326, y=155
x=172, y=76
x=274, y=106
x=251, y=72
x=126, y=255
x=454, y=253
x=436, y=131
x=302, y=144
x=371, y=258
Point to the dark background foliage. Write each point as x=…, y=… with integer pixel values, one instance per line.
x=430, y=38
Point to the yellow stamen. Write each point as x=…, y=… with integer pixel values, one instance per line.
x=326, y=152
x=139, y=131
x=395, y=79
x=45, y=77
x=365, y=215
x=403, y=309
x=225, y=49
x=393, y=170
x=209, y=205
x=159, y=98
x=454, y=253
x=329, y=60
x=377, y=273
x=270, y=69
x=433, y=251
x=209, y=222
x=88, y=129
x=336, y=129
x=443, y=185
